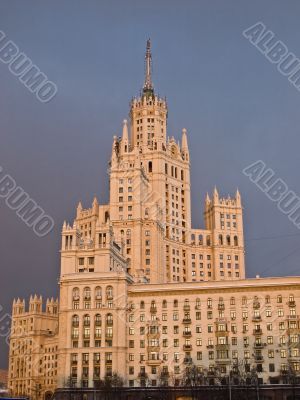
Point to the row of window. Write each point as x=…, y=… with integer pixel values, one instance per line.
x=209, y=302
x=87, y=293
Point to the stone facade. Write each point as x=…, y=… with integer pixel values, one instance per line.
x=144, y=294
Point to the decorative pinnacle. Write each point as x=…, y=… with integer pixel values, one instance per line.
x=148, y=68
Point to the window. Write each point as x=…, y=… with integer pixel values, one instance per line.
x=109, y=292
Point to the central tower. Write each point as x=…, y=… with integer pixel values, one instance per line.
x=150, y=184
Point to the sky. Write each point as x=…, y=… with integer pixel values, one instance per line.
x=234, y=103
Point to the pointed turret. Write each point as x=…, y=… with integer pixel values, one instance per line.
x=95, y=205
x=79, y=209
x=207, y=198
x=238, y=198
x=125, y=131
x=184, y=145
x=184, y=141
x=216, y=195
x=125, y=143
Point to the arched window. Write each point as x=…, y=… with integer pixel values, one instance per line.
x=75, y=321
x=98, y=321
x=164, y=304
x=193, y=238
x=200, y=239
x=207, y=240
x=235, y=241
x=109, y=320
x=75, y=294
x=186, y=305
x=153, y=305
x=150, y=166
x=87, y=293
x=86, y=320
x=279, y=298
x=228, y=240
x=109, y=292
x=175, y=303
x=122, y=232
x=142, y=305
x=98, y=293
x=221, y=240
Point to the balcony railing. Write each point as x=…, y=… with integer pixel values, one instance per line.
x=186, y=320
x=257, y=332
x=187, y=347
x=187, y=360
x=187, y=333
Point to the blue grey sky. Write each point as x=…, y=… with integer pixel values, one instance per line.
x=236, y=107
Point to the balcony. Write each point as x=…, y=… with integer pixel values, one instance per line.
x=187, y=360
x=258, y=359
x=186, y=307
x=153, y=335
x=258, y=345
x=187, y=333
x=256, y=318
x=293, y=317
x=221, y=306
x=223, y=346
x=187, y=347
x=291, y=303
x=210, y=346
x=257, y=332
x=186, y=320
x=153, y=362
x=153, y=310
x=222, y=332
x=256, y=305
x=223, y=361
x=75, y=324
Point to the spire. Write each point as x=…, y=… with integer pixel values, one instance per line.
x=125, y=130
x=148, y=87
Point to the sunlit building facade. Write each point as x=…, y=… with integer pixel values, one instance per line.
x=143, y=293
